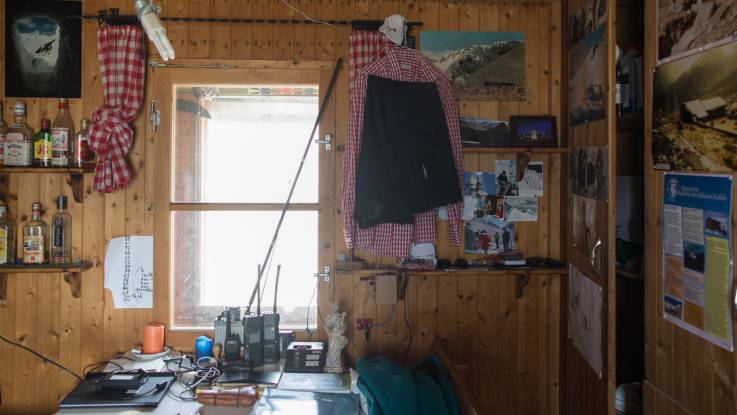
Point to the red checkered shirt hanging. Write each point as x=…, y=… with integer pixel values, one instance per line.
x=122, y=67
x=392, y=239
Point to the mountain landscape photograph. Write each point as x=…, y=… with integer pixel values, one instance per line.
x=695, y=112
x=685, y=25
x=587, y=79
x=481, y=65
x=480, y=132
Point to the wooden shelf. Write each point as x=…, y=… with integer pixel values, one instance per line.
x=515, y=150
x=66, y=170
x=71, y=274
x=75, y=176
x=629, y=274
x=483, y=272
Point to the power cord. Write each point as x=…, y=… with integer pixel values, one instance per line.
x=307, y=317
x=286, y=3
x=42, y=357
x=92, y=366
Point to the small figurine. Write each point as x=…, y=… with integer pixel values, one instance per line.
x=335, y=329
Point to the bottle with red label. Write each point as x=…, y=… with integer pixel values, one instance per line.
x=18, y=143
x=42, y=145
x=62, y=132
x=36, y=238
x=82, y=155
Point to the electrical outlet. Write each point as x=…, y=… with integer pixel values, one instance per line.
x=364, y=323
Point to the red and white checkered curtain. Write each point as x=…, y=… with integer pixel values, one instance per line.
x=122, y=68
x=365, y=47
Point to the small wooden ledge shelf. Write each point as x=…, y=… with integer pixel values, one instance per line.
x=548, y=150
x=481, y=272
x=71, y=275
x=75, y=176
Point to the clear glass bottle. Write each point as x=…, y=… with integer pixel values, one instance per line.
x=3, y=131
x=36, y=238
x=61, y=233
x=42, y=145
x=19, y=139
x=62, y=131
x=7, y=237
x=82, y=155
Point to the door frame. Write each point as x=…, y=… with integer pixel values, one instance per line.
x=580, y=382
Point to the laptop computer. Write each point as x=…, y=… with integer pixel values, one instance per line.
x=87, y=394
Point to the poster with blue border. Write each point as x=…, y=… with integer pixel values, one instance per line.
x=697, y=255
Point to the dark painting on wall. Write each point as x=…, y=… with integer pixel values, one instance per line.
x=43, y=49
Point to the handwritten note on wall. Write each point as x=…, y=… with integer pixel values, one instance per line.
x=129, y=269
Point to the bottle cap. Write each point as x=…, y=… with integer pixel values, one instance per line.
x=36, y=207
x=45, y=123
x=63, y=103
x=61, y=202
x=19, y=108
x=84, y=123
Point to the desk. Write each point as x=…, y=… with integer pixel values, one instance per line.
x=169, y=405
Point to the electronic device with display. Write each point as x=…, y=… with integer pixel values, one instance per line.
x=305, y=357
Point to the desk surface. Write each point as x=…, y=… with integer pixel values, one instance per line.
x=170, y=405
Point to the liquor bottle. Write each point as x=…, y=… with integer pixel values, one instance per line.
x=61, y=233
x=36, y=238
x=3, y=131
x=19, y=139
x=7, y=237
x=62, y=131
x=42, y=145
x=82, y=155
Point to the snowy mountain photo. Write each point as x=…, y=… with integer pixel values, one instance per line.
x=587, y=79
x=481, y=65
x=532, y=181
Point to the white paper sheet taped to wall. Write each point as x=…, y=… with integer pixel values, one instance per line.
x=129, y=270
x=585, y=299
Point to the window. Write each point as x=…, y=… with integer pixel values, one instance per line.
x=235, y=151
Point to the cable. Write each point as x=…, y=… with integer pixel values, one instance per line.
x=307, y=318
x=388, y=319
x=285, y=206
x=187, y=389
x=95, y=365
x=42, y=357
x=286, y=3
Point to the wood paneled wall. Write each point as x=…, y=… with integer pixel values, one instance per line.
x=509, y=342
x=685, y=373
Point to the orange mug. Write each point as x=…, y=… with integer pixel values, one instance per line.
x=153, y=338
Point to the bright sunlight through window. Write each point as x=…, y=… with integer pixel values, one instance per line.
x=235, y=153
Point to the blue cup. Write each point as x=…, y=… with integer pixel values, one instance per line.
x=203, y=347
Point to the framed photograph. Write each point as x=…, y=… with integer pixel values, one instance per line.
x=695, y=112
x=533, y=131
x=587, y=81
x=480, y=132
x=43, y=49
x=688, y=27
x=482, y=66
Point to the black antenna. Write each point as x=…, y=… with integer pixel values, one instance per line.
x=276, y=285
x=285, y=206
x=258, y=287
